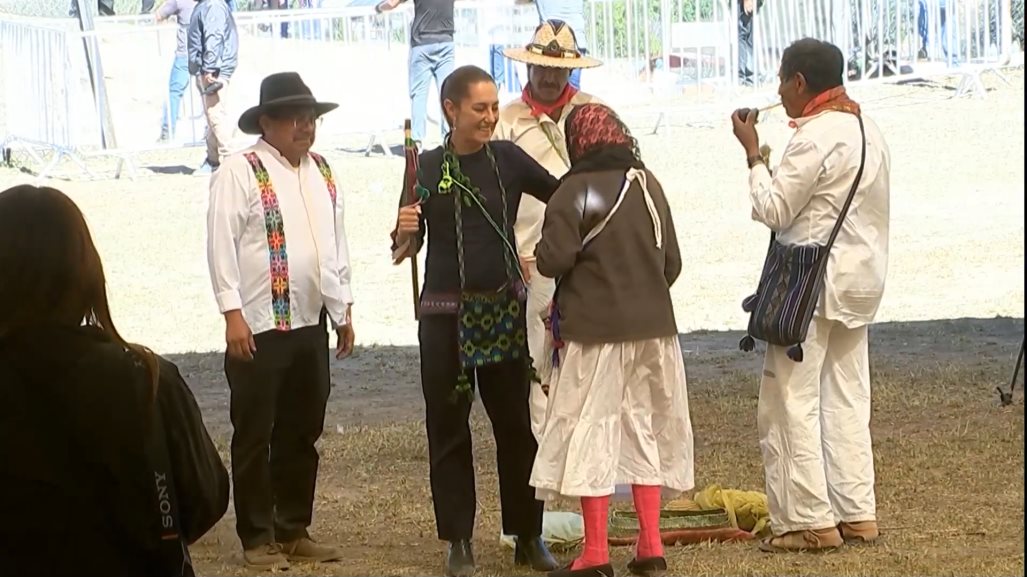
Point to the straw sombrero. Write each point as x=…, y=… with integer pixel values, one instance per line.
x=553, y=45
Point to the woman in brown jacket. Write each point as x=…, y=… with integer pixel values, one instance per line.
x=618, y=404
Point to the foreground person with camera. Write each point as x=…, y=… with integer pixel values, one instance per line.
x=107, y=467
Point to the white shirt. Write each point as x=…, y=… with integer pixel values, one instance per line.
x=239, y=252
x=543, y=139
x=805, y=196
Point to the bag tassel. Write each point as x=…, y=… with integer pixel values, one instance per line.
x=749, y=304
x=795, y=353
x=554, y=328
x=747, y=344
x=463, y=388
x=533, y=375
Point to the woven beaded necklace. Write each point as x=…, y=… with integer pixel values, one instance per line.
x=465, y=193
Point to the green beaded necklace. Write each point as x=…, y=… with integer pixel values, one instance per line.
x=465, y=193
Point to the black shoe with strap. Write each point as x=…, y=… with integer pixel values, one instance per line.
x=460, y=560
x=532, y=552
x=604, y=570
x=648, y=567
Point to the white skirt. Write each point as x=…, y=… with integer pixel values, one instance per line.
x=617, y=415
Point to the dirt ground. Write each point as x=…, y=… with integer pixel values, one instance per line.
x=950, y=461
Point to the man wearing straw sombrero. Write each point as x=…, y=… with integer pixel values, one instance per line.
x=280, y=269
x=535, y=122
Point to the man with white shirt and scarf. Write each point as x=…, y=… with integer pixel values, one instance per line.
x=536, y=123
x=814, y=412
x=280, y=268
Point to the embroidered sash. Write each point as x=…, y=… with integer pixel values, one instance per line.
x=326, y=173
x=278, y=255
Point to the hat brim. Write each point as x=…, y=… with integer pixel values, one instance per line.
x=528, y=57
x=249, y=122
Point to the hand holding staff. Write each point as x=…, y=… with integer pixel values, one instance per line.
x=409, y=221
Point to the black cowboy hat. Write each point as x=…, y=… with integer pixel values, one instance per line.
x=277, y=91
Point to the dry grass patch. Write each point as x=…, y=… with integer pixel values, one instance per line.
x=950, y=488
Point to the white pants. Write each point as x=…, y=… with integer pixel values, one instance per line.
x=814, y=426
x=540, y=294
x=220, y=126
x=618, y=415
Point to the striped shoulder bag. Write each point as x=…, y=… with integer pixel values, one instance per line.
x=782, y=308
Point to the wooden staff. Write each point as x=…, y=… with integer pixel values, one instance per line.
x=409, y=196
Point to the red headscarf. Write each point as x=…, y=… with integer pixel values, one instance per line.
x=594, y=126
x=597, y=139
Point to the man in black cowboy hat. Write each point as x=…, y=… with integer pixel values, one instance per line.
x=276, y=202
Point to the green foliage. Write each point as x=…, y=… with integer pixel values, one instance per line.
x=58, y=8
x=609, y=18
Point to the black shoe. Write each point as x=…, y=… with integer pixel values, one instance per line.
x=605, y=570
x=460, y=561
x=648, y=567
x=532, y=551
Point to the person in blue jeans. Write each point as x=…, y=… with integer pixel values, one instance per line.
x=432, y=55
x=924, y=30
x=178, y=81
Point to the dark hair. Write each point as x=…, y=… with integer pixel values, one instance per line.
x=820, y=63
x=455, y=86
x=52, y=272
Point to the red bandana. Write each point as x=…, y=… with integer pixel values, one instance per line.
x=540, y=108
x=833, y=99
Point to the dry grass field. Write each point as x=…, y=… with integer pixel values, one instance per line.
x=950, y=461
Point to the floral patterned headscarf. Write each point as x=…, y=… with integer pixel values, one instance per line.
x=592, y=128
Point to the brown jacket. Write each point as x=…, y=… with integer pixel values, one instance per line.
x=618, y=288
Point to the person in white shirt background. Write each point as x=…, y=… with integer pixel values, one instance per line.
x=280, y=269
x=535, y=122
x=814, y=415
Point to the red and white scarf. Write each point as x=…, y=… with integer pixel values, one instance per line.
x=832, y=99
x=540, y=108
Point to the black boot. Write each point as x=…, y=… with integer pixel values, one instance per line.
x=460, y=561
x=648, y=567
x=532, y=551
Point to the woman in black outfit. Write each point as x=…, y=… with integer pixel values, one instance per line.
x=107, y=468
x=472, y=328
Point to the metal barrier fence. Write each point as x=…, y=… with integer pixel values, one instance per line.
x=359, y=59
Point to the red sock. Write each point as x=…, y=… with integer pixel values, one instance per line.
x=647, y=506
x=596, y=549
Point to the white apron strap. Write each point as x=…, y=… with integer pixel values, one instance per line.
x=632, y=175
x=635, y=174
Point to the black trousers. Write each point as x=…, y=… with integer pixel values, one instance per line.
x=746, y=74
x=503, y=389
x=277, y=410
